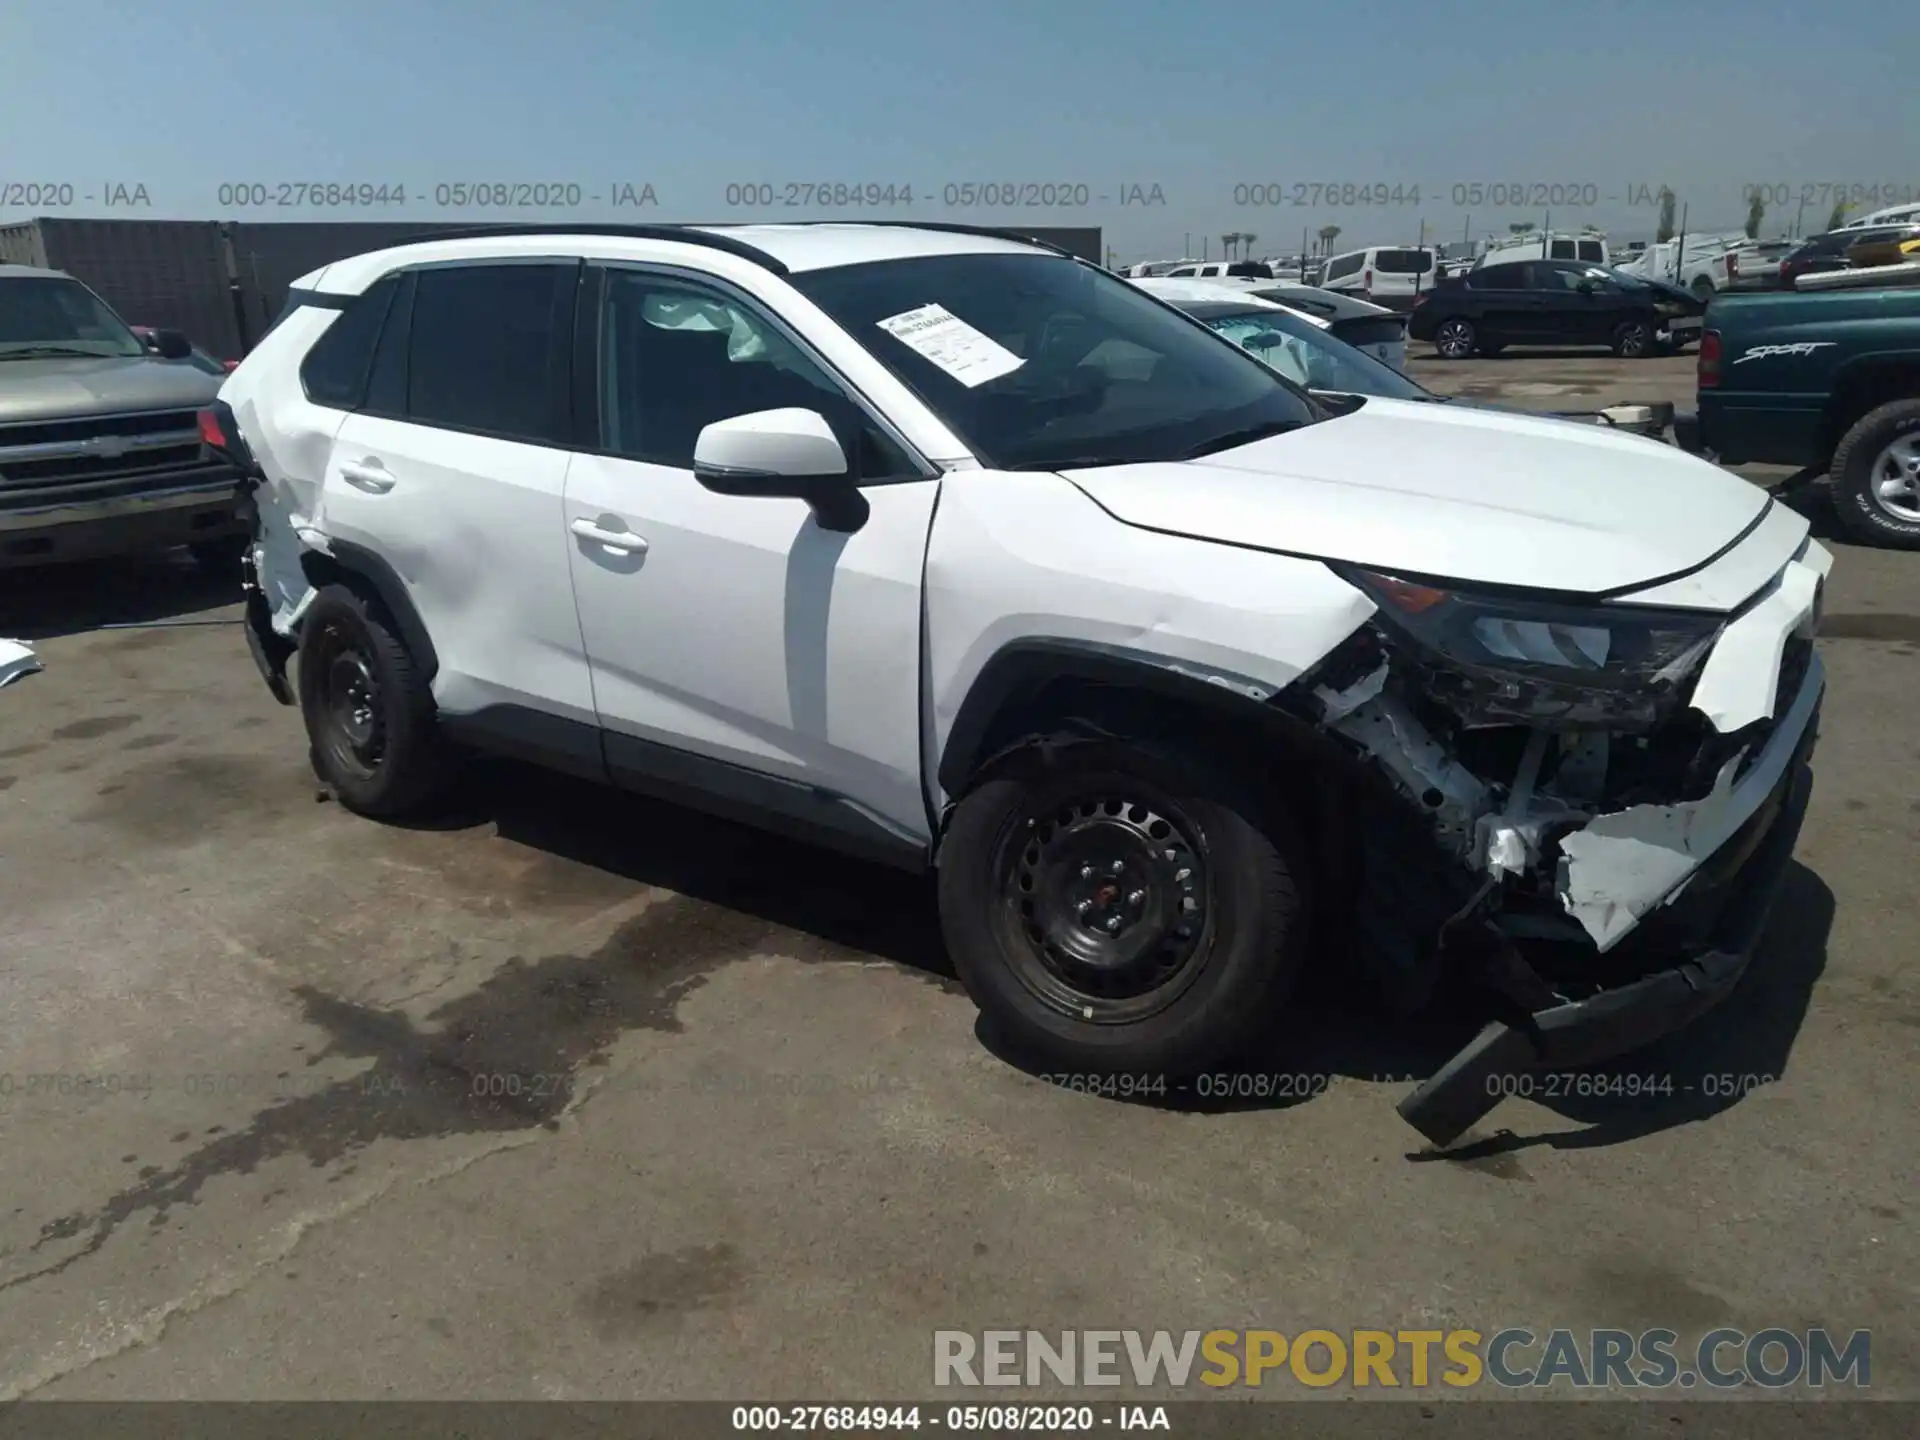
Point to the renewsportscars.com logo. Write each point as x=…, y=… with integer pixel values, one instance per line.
x=1512, y=1358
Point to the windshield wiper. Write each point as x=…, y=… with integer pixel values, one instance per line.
x=1234, y=439
x=26, y=351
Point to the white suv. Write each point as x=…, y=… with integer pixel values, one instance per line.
x=957, y=552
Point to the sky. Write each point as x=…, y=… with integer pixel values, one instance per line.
x=1276, y=120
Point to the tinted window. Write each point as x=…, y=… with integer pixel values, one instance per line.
x=676, y=357
x=1498, y=277
x=1568, y=277
x=1344, y=266
x=488, y=349
x=1403, y=262
x=335, y=370
x=387, y=384
x=1041, y=362
x=1594, y=251
x=1251, y=269
x=1183, y=271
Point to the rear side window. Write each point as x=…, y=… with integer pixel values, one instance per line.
x=1403, y=262
x=489, y=350
x=1593, y=252
x=334, y=373
x=1345, y=265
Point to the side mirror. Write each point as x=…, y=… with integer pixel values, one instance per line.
x=170, y=344
x=790, y=453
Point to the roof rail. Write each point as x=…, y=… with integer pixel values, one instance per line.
x=945, y=227
x=699, y=232
x=690, y=233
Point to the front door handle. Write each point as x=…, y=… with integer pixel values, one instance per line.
x=624, y=541
x=370, y=476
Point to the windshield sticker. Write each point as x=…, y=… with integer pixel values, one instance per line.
x=968, y=355
x=1799, y=347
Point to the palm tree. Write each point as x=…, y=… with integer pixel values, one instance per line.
x=1667, y=201
x=1839, y=214
x=1756, y=212
x=1519, y=227
x=1227, y=242
x=1328, y=234
x=1247, y=237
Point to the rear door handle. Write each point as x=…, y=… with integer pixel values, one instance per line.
x=371, y=476
x=625, y=541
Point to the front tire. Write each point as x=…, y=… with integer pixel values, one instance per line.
x=369, y=712
x=1876, y=477
x=1118, y=908
x=1456, y=339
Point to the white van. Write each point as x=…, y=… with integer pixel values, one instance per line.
x=1389, y=275
x=1222, y=270
x=1589, y=248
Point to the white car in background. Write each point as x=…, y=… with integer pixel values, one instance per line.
x=1380, y=332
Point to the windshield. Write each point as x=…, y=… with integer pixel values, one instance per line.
x=1310, y=357
x=1038, y=361
x=59, y=315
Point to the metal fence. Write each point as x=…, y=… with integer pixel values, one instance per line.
x=223, y=282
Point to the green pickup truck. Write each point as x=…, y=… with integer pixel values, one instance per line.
x=1827, y=381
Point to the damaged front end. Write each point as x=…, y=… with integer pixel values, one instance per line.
x=1590, y=806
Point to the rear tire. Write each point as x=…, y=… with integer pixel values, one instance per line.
x=370, y=714
x=1875, y=477
x=1120, y=908
x=1633, y=340
x=1456, y=339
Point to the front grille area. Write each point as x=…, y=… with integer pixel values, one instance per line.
x=42, y=462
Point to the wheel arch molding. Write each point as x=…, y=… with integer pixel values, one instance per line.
x=368, y=572
x=1016, y=682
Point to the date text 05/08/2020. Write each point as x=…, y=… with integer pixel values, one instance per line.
x=445, y=195
x=991, y=1419
x=952, y=195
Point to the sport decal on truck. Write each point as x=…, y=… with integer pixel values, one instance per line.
x=1799, y=347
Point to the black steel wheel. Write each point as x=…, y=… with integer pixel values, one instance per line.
x=1122, y=907
x=369, y=711
x=1106, y=899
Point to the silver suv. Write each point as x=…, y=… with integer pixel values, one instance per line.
x=100, y=444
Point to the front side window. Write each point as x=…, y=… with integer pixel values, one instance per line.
x=1040, y=362
x=1498, y=277
x=676, y=356
x=489, y=350
x=58, y=316
x=1309, y=356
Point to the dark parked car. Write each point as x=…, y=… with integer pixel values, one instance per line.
x=1829, y=251
x=101, y=447
x=1555, y=302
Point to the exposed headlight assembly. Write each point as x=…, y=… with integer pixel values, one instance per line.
x=1501, y=660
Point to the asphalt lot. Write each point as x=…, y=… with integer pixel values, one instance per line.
x=757, y=1150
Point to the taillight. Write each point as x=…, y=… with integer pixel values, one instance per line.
x=1366, y=279
x=1733, y=267
x=220, y=432
x=1707, y=367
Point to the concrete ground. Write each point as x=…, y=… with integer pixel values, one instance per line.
x=573, y=1095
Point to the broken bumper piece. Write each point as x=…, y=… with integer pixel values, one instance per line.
x=1615, y=1021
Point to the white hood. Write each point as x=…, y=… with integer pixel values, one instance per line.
x=1473, y=495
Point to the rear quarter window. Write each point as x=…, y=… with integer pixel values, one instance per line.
x=334, y=374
